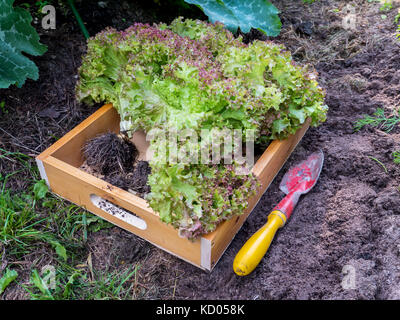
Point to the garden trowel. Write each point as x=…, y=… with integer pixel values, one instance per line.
x=297, y=181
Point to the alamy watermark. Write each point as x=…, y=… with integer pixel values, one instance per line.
x=48, y=273
x=349, y=277
x=349, y=21
x=209, y=146
x=49, y=20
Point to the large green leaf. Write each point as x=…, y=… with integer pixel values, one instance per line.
x=17, y=36
x=257, y=14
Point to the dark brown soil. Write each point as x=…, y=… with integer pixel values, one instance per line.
x=134, y=181
x=349, y=221
x=113, y=158
x=110, y=154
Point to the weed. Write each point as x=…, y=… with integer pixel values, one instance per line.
x=3, y=107
x=396, y=20
x=113, y=285
x=397, y=17
x=379, y=162
x=35, y=215
x=396, y=157
x=41, y=284
x=379, y=120
x=8, y=277
x=386, y=5
x=34, y=218
x=40, y=4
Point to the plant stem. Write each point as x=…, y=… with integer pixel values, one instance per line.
x=78, y=19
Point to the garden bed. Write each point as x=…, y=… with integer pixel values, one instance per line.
x=351, y=217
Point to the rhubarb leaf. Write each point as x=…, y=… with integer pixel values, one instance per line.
x=17, y=36
x=257, y=14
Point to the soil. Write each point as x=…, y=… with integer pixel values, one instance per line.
x=109, y=153
x=343, y=239
x=134, y=181
x=114, y=158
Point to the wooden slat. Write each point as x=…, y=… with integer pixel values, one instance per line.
x=68, y=148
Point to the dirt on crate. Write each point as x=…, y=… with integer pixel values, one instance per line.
x=114, y=158
x=342, y=240
x=109, y=153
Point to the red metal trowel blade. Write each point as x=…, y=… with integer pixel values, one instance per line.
x=303, y=176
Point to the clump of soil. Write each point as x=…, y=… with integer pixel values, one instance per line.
x=135, y=181
x=110, y=153
x=113, y=158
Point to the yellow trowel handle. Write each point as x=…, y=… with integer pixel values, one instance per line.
x=255, y=248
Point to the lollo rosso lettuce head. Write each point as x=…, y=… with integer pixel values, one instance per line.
x=193, y=75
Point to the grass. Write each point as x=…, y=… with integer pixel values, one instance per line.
x=77, y=284
x=38, y=227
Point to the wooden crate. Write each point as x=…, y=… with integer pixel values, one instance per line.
x=59, y=167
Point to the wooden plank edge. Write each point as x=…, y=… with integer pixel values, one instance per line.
x=205, y=254
x=75, y=131
x=99, y=183
x=42, y=172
